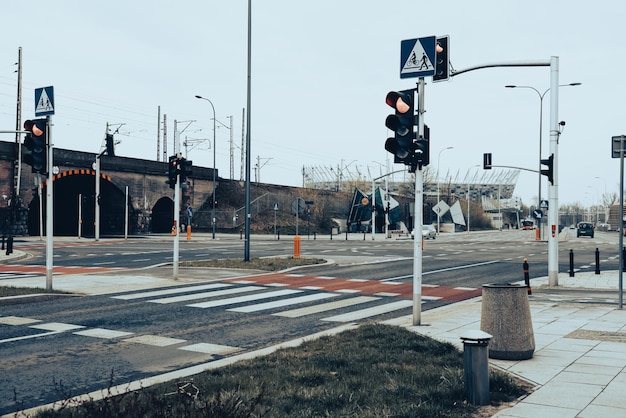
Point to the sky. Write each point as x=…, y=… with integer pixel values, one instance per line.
x=320, y=72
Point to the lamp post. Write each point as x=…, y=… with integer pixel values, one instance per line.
x=438, y=159
x=604, y=197
x=541, y=96
x=213, y=203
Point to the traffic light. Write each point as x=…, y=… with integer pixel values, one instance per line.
x=110, y=144
x=487, y=161
x=549, y=172
x=36, y=141
x=442, y=59
x=422, y=148
x=402, y=145
x=172, y=171
x=185, y=169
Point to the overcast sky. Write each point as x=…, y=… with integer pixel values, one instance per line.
x=320, y=74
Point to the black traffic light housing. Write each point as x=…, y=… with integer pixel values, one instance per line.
x=185, y=169
x=172, y=171
x=487, y=161
x=549, y=172
x=442, y=59
x=402, y=122
x=36, y=141
x=110, y=145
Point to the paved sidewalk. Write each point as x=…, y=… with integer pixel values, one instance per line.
x=579, y=363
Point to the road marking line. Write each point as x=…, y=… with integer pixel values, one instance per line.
x=56, y=326
x=242, y=299
x=205, y=295
x=16, y=320
x=103, y=333
x=155, y=340
x=283, y=302
x=207, y=348
x=170, y=291
x=329, y=306
x=369, y=312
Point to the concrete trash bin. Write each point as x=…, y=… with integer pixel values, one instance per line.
x=505, y=314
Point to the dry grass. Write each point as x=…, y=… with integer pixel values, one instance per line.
x=372, y=371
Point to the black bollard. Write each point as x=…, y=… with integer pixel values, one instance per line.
x=346, y=235
x=571, y=263
x=10, y=245
x=314, y=235
x=527, y=277
x=278, y=235
x=331, y=234
x=363, y=235
x=597, y=261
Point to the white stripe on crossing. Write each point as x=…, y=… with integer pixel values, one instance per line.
x=366, y=313
x=205, y=295
x=170, y=291
x=295, y=313
x=241, y=299
x=283, y=302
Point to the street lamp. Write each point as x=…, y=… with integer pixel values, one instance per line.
x=213, y=203
x=438, y=159
x=541, y=96
x=604, y=198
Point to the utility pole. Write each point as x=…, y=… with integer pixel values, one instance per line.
x=164, y=137
x=158, y=134
x=243, y=145
x=232, y=149
x=17, y=166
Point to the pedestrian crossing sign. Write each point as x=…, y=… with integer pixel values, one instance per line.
x=417, y=57
x=44, y=101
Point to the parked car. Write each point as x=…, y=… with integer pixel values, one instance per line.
x=428, y=232
x=584, y=228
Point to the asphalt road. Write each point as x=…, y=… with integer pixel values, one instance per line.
x=70, y=345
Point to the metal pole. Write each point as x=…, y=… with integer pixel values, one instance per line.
x=540, y=236
x=621, y=220
x=553, y=189
x=126, y=213
x=373, y=203
x=246, y=252
x=97, y=200
x=176, y=225
x=419, y=216
x=49, y=206
x=80, y=214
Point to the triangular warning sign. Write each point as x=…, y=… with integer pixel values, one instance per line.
x=417, y=60
x=44, y=104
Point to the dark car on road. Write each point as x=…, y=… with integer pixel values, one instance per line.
x=584, y=228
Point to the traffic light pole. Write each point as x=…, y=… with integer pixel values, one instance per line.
x=176, y=225
x=419, y=215
x=49, y=206
x=553, y=189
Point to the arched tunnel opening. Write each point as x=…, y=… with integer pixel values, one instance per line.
x=74, y=195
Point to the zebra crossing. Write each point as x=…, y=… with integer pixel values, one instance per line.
x=295, y=296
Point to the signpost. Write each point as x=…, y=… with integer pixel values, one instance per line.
x=44, y=106
x=618, y=149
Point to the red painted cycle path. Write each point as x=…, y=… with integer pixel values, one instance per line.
x=368, y=287
x=41, y=270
